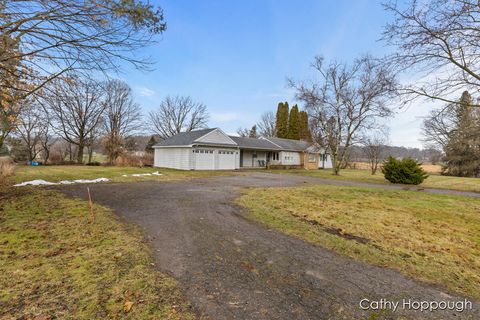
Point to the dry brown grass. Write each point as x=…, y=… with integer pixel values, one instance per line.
x=431, y=237
x=7, y=168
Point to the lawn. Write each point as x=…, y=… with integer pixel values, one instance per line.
x=56, y=261
x=434, y=238
x=58, y=173
x=433, y=181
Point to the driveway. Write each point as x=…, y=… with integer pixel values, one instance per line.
x=232, y=268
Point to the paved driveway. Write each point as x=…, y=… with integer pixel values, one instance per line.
x=233, y=268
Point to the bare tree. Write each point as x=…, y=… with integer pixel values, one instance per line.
x=52, y=37
x=122, y=117
x=31, y=127
x=267, y=126
x=243, y=132
x=438, y=126
x=440, y=38
x=178, y=114
x=374, y=147
x=345, y=100
x=76, y=106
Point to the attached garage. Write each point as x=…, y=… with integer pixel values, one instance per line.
x=208, y=149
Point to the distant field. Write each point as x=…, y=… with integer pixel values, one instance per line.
x=73, y=172
x=430, y=168
x=433, y=181
x=431, y=237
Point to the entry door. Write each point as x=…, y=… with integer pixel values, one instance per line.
x=204, y=159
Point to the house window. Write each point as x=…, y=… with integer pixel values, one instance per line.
x=311, y=157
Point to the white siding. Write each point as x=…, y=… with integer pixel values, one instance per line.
x=176, y=158
x=249, y=161
x=327, y=163
x=216, y=136
x=290, y=158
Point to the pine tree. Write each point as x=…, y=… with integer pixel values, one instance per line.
x=462, y=152
x=150, y=144
x=294, y=124
x=305, y=133
x=282, y=120
x=253, y=132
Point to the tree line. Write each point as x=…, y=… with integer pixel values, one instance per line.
x=85, y=113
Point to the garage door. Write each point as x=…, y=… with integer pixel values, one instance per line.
x=204, y=159
x=226, y=159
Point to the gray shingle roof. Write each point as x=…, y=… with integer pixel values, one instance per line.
x=188, y=138
x=183, y=138
x=254, y=143
x=292, y=145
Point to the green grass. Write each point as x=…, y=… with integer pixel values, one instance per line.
x=57, y=262
x=433, y=181
x=434, y=238
x=58, y=173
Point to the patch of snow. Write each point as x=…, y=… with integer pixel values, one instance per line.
x=43, y=182
x=156, y=173
x=34, y=183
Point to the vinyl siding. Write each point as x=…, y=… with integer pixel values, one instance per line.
x=216, y=136
x=249, y=161
x=176, y=158
x=290, y=158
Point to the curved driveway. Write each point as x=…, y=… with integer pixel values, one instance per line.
x=233, y=268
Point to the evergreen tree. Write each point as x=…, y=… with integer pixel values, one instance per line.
x=282, y=120
x=253, y=132
x=462, y=152
x=294, y=124
x=150, y=144
x=304, y=128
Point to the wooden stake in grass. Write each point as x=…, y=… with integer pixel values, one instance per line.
x=92, y=212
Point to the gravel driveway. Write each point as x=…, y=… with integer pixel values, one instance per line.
x=233, y=268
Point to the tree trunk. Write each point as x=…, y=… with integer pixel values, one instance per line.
x=90, y=154
x=80, y=153
x=46, y=155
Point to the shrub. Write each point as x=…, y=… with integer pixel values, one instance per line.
x=406, y=171
x=129, y=160
x=93, y=163
x=7, y=168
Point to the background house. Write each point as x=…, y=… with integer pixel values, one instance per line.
x=212, y=149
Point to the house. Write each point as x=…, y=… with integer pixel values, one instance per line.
x=212, y=149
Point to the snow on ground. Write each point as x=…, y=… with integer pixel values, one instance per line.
x=48, y=183
x=156, y=173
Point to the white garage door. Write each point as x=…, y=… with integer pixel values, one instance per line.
x=204, y=159
x=226, y=159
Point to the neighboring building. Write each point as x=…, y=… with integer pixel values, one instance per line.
x=212, y=149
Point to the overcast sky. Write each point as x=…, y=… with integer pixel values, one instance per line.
x=235, y=56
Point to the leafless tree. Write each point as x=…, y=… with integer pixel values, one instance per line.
x=76, y=106
x=347, y=99
x=267, y=126
x=122, y=117
x=57, y=36
x=178, y=114
x=31, y=127
x=438, y=40
x=243, y=132
x=374, y=146
x=438, y=125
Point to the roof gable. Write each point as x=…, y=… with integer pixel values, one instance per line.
x=216, y=136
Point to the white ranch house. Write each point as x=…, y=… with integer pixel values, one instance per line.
x=212, y=149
